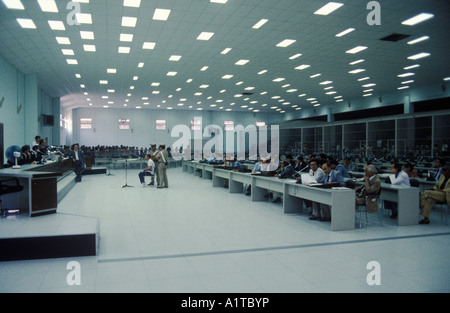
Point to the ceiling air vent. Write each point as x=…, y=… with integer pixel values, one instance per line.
x=395, y=37
x=247, y=93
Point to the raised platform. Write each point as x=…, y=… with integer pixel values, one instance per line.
x=50, y=236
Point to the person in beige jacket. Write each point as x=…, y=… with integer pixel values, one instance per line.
x=372, y=185
x=439, y=194
x=162, y=159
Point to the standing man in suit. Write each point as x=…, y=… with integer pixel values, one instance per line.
x=439, y=194
x=152, y=154
x=162, y=160
x=331, y=176
x=77, y=157
x=439, y=164
x=372, y=185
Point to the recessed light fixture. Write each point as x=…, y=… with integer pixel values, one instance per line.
x=226, y=51
x=129, y=21
x=295, y=56
x=204, y=68
x=408, y=82
x=72, y=61
x=356, y=62
x=227, y=76
x=420, y=39
x=417, y=19
x=411, y=67
x=87, y=35
x=48, y=6
x=161, y=15
x=260, y=23
x=205, y=36
x=356, y=49
x=56, y=25
x=345, y=32
x=132, y=3
x=68, y=52
x=363, y=79
x=406, y=75
x=262, y=72
x=327, y=82
x=242, y=62
x=103, y=82
x=89, y=48
x=357, y=71
x=315, y=75
x=111, y=71
x=126, y=37
x=219, y=1
x=175, y=58
x=328, y=8
x=26, y=23
x=124, y=50
x=419, y=56
x=171, y=73
x=148, y=45
x=302, y=67
x=280, y=79
x=14, y=4
x=83, y=18
x=286, y=43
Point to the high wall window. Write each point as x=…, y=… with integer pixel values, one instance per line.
x=86, y=123
x=124, y=124
x=229, y=126
x=196, y=125
x=160, y=124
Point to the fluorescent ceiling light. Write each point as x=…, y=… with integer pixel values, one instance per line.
x=126, y=37
x=286, y=43
x=295, y=56
x=356, y=62
x=148, y=45
x=242, y=62
x=357, y=71
x=77, y=75
x=204, y=68
x=262, y=72
x=420, y=39
x=161, y=15
x=219, y=1
x=103, y=82
x=56, y=25
x=345, y=32
x=406, y=75
x=411, y=67
x=419, y=56
x=141, y=65
x=48, y=6
x=260, y=23
x=87, y=35
x=132, y=3
x=129, y=21
x=417, y=19
x=124, y=50
x=227, y=76
x=83, y=18
x=171, y=73
x=327, y=82
x=155, y=84
x=175, y=58
x=14, y=4
x=63, y=40
x=26, y=23
x=356, y=49
x=204, y=86
x=369, y=85
x=72, y=61
x=447, y=78
x=67, y=52
x=89, y=48
x=226, y=51
x=205, y=36
x=408, y=82
x=111, y=71
x=328, y=8
x=404, y=87
x=302, y=67
x=363, y=79
x=315, y=75
x=279, y=79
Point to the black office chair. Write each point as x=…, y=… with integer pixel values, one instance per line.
x=6, y=189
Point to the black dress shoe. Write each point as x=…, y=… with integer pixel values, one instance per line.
x=314, y=218
x=425, y=221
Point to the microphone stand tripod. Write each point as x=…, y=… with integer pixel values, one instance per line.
x=126, y=174
x=109, y=168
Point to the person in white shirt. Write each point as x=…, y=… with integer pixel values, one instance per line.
x=400, y=178
x=148, y=171
x=318, y=174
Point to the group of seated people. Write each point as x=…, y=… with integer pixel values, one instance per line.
x=327, y=170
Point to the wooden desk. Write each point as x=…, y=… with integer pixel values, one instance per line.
x=39, y=196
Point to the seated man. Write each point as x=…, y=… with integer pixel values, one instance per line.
x=286, y=170
x=439, y=194
x=372, y=185
x=331, y=176
x=148, y=171
x=401, y=178
x=340, y=168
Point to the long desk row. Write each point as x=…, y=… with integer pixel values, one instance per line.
x=342, y=200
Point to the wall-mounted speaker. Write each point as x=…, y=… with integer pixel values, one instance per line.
x=48, y=120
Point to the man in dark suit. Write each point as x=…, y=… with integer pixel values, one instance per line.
x=77, y=157
x=331, y=176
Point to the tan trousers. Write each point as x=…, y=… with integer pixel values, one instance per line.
x=429, y=198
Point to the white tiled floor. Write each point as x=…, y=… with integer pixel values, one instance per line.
x=196, y=238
